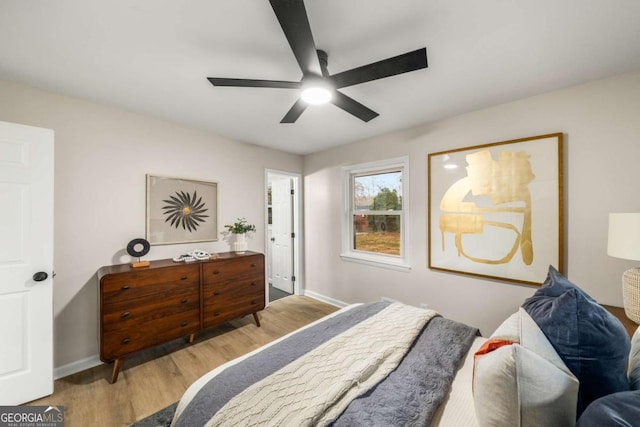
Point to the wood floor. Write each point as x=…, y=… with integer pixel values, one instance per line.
x=154, y=379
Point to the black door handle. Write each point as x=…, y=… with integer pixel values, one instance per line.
x=40, y=276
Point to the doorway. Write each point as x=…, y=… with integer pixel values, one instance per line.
x=282, y=238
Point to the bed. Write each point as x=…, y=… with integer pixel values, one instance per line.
x=388, y=364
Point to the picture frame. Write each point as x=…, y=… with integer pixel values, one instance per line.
x=180, y=210
x=496, y=210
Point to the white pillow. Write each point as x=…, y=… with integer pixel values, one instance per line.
x=634, y=361
x=509, y=329
x=524, y=384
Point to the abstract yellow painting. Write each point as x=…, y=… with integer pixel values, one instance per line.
x=495, y=210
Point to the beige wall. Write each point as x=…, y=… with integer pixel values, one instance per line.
x=101, y=157
x=601, y=125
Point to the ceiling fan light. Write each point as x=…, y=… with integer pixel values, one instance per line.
x=316, y=95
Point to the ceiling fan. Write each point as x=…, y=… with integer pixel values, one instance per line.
x=317, y=85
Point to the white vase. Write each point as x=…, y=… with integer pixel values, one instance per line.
x=240, y=245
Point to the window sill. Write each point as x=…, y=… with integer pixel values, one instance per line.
x=376, y=262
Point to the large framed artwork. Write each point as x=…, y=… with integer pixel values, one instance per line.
x=495, y=210
x=181, y=210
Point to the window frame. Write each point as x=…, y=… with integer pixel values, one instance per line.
x=348, y=253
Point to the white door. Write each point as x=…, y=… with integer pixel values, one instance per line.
x=26, y=248
x=282, y=240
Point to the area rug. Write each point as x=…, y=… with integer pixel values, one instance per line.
x=162, y=418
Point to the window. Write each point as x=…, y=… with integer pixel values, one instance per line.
x=374, y=224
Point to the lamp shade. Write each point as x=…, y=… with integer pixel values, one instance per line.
x=624, y=236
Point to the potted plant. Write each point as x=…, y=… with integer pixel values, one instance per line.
x=240, y=228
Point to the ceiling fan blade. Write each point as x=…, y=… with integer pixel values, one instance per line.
x=353, y=107
x=404, y=63
x=219, y=81
x=293, y=19
x=295, y=112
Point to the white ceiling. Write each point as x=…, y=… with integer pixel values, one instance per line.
x=153, y=57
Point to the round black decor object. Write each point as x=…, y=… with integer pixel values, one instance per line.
x=131, y=247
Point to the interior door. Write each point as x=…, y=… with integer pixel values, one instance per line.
x=26, y=263
x=282, y=240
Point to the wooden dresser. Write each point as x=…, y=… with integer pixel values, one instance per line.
x=146, y=306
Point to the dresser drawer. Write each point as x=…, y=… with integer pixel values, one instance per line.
x=230, y=290
x=137, y=337
x=218, y=313
x=137, y=284
x=231, y=269
x=123, y=314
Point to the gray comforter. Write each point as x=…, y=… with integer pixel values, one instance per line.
x=407, y=397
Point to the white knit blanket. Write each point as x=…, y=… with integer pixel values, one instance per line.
x=317, y=387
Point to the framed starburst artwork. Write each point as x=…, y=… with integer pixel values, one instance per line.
x=181, y=210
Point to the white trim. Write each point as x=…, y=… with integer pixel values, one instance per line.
x=376, y=261
x=377, y=165
x=401, y=262
x=75, y=367
x=326, y=299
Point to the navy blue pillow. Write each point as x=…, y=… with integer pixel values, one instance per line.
x=591, y=341
x=615, y=410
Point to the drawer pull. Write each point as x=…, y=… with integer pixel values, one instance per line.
x=125, y=287
x=253, y=302
x=125, y=341
x=183, y=278
x=183, y=324
x=253, y=265
x=216, y=293
x=216, y=272
x=216, y=313
x=183, y=301
x=125, y=314
x=253, y=283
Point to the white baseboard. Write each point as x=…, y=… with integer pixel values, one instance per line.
x=74, y=367
x=326, y=299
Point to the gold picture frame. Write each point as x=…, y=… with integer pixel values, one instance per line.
x=496, y=210
x=181, y=210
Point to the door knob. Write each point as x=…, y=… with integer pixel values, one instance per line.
x=40, y=276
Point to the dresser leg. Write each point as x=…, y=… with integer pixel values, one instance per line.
x=255, y=317
x=191, y=338
x=117, y=364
